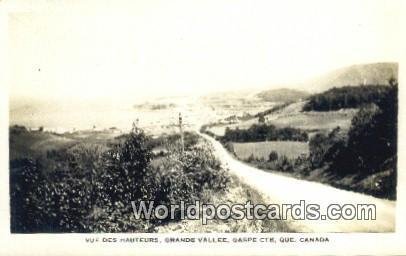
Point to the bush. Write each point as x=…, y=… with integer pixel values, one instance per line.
x=281, y=164
x=251, y=158
x=17, y=129
x=204, y=169
x=273, y=156
x=25, y=216
x=323, y=147
x=58, y=203
x=284, y=164
x=230, y=147
x=125, y=176
x=192, y=173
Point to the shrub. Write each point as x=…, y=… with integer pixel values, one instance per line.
x=323, y=148
x=192, y=173
x=23, y=200
x=273, y=156
x=204, y=169
x=284, y=164
x=251, y=158
x=125, y=176
x=58, y=203
x=230, y=147
x=17, y=129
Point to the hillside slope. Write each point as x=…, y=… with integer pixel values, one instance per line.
x=282, y=95
x=374, y=73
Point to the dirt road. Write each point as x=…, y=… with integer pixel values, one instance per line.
x=284, y=190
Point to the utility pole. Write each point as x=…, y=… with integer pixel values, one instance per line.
x=181, y=134
x=135, y=126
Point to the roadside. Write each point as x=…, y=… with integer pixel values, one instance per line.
x=238, y=193
x=281, y=189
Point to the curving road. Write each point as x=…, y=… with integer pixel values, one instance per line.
x=279, y=189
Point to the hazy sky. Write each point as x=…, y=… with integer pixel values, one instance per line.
x=130, y=49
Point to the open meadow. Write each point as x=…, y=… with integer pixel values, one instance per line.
x=290, y=149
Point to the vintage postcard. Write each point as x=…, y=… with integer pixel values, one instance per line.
x=202, y=127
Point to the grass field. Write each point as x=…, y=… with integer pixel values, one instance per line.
x=33, y=144
x=317, y=120
x=291, y=149
x=292, y=116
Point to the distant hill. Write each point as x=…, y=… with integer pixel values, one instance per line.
x=375, y=73
x=282, y=95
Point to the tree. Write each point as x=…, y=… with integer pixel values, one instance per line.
x=373, y=133
x=125, y=178
x=323, y=148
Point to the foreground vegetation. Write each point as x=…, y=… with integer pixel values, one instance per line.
x=237, y=193
x=88, y=187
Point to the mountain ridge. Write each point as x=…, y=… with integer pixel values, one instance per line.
x=354, y=75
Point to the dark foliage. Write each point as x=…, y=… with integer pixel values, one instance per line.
x=273, y=156
x=346, y=97
x=369, y=148
x=372, y=138
x=17, y=129
x=264, y=132
x=88, y=189
x=24, y=212
x=49, y=203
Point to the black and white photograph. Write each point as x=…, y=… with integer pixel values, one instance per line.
x=226, y=118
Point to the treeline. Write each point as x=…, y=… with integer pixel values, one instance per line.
x=346, y=97
x=88, y=189
x=263, y=132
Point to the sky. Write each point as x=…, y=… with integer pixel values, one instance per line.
x=129, y=49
